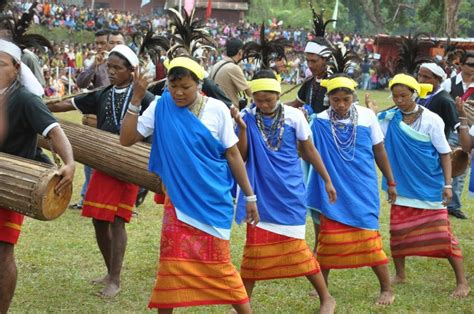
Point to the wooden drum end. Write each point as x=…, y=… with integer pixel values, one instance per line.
x=54, y=205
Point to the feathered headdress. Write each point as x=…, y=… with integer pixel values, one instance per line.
x=342, y=59
x=318, y=21
x=266, y=50
x=409, y=53
x=150, y=44
x=19, y=27
x=189, y=35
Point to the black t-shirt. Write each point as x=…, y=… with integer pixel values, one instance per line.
x=27, y=116
x=313, y=94
x=443, y=105
x=109, y=106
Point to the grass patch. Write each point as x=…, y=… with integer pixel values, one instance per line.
x=56, y=260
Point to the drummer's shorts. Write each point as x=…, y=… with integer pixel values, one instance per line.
x=10, y=225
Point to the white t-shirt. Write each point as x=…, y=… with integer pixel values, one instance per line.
x=215, y=116
x=366, y=118
x=430, y=124
x=294, y=118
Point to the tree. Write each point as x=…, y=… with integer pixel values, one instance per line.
x=451, y=10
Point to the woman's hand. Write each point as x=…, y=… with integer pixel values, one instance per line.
x=238, y=118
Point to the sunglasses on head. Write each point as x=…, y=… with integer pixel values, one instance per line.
x=470, y=64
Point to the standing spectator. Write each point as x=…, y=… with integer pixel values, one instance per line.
x=365, y=69
x=228, y=74
x=461, y=85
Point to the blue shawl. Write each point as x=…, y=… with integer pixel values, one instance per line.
x=275, y=176
x=193, y=167
x=415, y=162
x=355, y=181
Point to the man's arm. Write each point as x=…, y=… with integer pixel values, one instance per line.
x=62, y=106
x=84, y=79
x=64, y=149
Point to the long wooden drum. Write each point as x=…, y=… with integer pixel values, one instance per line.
x=102, y=151
x=27, y=187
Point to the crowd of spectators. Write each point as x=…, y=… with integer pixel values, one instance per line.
x=70, y=58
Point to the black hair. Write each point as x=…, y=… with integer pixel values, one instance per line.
x=125, y=60
x=101, y=32
x=233, y=46
x=264, y=74
x=178, y=73
x=467, y=55
x=409, y=88
x=115, y=33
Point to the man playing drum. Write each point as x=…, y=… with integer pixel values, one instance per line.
x=20, y=140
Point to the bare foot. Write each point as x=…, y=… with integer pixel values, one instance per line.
x=385, y=298
x=101, y=280
x=328, y=306
x=461, y=291
x=395, y=280
x=314, y=294
x=110, y=291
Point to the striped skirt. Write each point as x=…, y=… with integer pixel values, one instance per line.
x=420, y=232
x=107, y=197
x=10, y=225
x=268, y=255
x=342, y=246
x=194, y=268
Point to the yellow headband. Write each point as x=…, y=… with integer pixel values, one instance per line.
x=339, y=82
x=189, y=64
x=421, y=89
x=265, y=85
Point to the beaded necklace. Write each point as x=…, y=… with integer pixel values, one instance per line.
x=345, y=147
x=412, y=118
x=276, y=127
x=198, y=106
x=118, y=122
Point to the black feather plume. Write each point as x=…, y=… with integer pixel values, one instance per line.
x=265, y=51
x=150, y=44
x=342, y=59
x=318, y=21
x=189, y=35
x=18, y=29
x=409, y=53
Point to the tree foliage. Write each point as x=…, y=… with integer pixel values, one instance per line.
x=371, y=16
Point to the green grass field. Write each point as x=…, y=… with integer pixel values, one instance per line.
x=56, y=260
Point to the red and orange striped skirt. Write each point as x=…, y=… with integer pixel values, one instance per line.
x=10, y=225
x=421, y=232
x=268, y=255
x=107, y=197
x=194, y=268
x=342, y=246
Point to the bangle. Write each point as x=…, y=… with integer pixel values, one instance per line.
x=448, y=186
x=134, y=108
x=391, y=183
x=133, y=113
x=462, y=118
x=251, y=198
x=464, y=126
